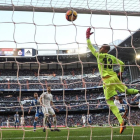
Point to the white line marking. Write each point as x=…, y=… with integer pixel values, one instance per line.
x=71, y=137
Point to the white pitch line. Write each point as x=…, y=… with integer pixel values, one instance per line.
x=71, y=137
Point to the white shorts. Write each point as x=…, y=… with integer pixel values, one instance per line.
x=21, y=122
x=84, y=121
x=139, y=105
x=48, y=110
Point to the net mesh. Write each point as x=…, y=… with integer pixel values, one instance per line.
x=55, y=42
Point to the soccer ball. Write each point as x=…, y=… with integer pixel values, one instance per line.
x=71, y=15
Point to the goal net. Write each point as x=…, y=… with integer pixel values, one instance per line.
x=40, y=48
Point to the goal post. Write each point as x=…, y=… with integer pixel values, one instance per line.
x=63, y=10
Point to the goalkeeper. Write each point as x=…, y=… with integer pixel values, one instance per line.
x=111, y=82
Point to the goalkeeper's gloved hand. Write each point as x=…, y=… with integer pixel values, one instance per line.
x=88, y=33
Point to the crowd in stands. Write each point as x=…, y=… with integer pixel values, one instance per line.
x=58, y=97
x=53, y=72
x=55, y=84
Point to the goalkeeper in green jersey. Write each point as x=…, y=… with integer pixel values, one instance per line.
x=111, y=82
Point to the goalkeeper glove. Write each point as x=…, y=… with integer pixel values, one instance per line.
x=88, y=33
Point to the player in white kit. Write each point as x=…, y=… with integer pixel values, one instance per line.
x=84, y=120
x=123, y=108
x=7, y=123
x=22, y=121
x=46, y=100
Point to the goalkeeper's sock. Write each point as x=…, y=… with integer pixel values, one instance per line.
x=34, y=124
x=55, y=122
x=132, y=91
x=115, y=110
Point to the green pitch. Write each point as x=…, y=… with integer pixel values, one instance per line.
x=75, y=134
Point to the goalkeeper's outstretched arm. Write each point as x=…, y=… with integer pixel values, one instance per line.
x=90, y=46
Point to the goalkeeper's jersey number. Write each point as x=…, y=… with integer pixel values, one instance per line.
x=108, y=63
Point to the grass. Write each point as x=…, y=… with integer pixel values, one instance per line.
x=98, y=133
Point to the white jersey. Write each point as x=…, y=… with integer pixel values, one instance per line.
x=117, y=103
x=84, y=118
x=46, y=98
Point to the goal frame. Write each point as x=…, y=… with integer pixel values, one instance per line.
x=63, y=10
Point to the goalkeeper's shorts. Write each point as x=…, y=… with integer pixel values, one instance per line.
x=112, y=84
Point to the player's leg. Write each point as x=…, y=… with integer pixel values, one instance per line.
x=84, y=123
x=21, y=123
x=122, y=88
x=121, y=112
x=51, y=112
x=114, y=109
x=15, y=124
x=55, y=123
x=35, y=120
x=18, y=124
x=89, y=122
x=49, y=125
x=45, y=118
x=110, y=91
